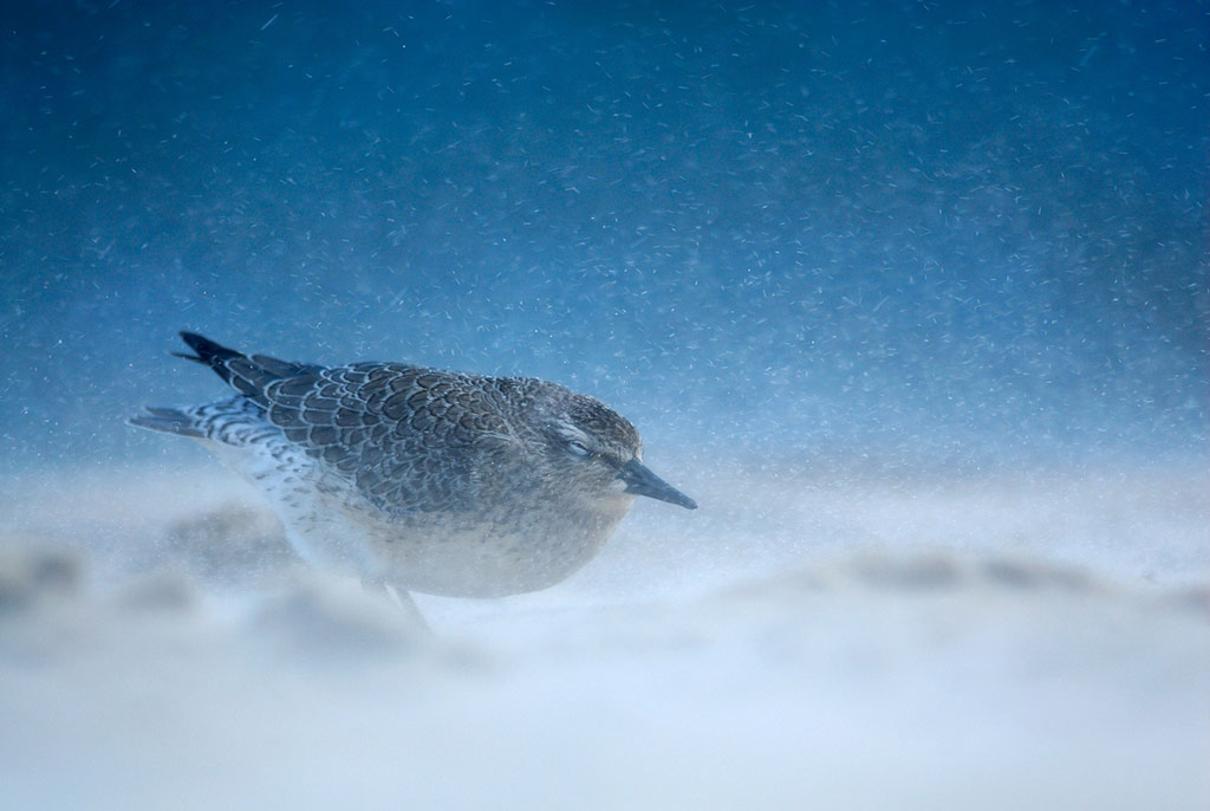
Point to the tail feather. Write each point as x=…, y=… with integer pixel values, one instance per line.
x=209, y=353
x=247, y=375
x=285, y=368
x=250, y=376
x=168, y=421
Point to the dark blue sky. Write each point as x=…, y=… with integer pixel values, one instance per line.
x=903, y=228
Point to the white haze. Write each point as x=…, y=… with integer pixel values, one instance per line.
x=995, y=642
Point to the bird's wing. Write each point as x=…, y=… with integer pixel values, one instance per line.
x=410, y=439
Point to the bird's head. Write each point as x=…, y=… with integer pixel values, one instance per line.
x=599, y=450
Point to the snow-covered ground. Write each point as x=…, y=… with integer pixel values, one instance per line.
x=1031, y=640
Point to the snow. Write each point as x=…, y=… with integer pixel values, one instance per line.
x=880, y=645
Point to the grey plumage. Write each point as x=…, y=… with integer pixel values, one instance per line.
x=427, y=480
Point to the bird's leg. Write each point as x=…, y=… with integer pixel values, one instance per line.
x=408, y=606
x=400, y=598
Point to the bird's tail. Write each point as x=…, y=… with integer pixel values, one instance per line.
x=247, y=374
x=168, y=421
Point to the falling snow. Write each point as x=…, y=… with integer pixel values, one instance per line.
x=912, y=296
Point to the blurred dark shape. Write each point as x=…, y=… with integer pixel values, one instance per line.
x=1194, y=599
x=332, y=621
x=29, y=577
x=926, y=572
x=232, y=545
x=160, y=593
x=1034, y=575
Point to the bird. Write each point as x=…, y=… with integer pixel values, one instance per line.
x=418, y=479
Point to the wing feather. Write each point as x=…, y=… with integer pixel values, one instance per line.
x=409, y=439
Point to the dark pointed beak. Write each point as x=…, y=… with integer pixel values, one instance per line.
x=642, y=482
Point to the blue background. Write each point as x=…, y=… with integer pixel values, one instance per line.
x=919, y=233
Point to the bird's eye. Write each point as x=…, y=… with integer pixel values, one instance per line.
x=578, y=448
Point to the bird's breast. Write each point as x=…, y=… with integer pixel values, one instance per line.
x=495, y=553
